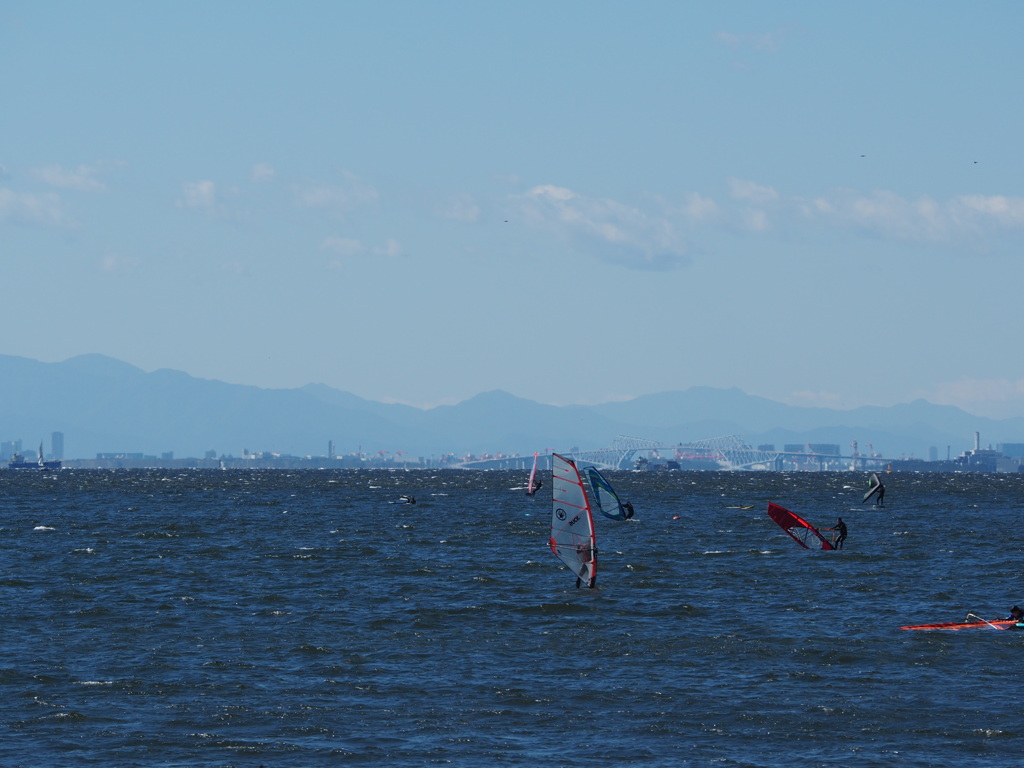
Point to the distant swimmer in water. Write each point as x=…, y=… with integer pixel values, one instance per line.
x=629, y=510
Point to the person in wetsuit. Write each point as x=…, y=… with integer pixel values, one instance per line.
x=587, y=553
x=840, y=526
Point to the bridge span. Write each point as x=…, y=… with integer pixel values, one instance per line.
x=721, y=453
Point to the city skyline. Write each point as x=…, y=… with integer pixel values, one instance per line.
x=576, y=203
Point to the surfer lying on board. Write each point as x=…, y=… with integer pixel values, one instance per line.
x=406, y=499
x=841, y=527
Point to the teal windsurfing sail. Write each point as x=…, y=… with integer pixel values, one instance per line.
x=605, y=500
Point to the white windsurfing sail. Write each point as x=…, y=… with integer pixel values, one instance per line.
x=605, y=499
x=531, y=488
x=572, y=525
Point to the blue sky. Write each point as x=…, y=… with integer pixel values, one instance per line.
x=575, y=202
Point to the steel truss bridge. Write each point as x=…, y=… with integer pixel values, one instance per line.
x=729, y=453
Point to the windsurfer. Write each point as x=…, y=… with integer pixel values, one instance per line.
x=840, y=526
x=629, y=509
x=1016, y=614
x=876, y=489
x=587, y=553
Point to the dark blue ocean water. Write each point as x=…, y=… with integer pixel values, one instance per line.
x=301, y=618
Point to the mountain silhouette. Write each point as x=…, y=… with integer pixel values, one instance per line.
x=104, y=405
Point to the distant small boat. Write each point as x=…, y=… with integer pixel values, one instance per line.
x=18, y=462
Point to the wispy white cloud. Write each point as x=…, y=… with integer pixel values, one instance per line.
x=811, y=399
x=886, y=214
x=755, y=219
x=113, y=263
x=699, y=208
x=350, y=246
x=880, y=213
x=390, y=248
x=262, y=172
x=460, y=208
x=80, y=179
x=36, y=210
x=342, y=197
x=751, y=192
x=652, y=238
x=763, y=42
x=1004, y=211
x=200, y=196
x=758, y=199
x=995, y=398
x=614, y=232
x=343, y=246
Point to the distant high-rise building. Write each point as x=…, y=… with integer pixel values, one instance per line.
x=57, y=445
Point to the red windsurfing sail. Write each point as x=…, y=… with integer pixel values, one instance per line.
x=802, y=532
x=979, y=624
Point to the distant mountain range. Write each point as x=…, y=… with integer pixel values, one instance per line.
x=103, y=405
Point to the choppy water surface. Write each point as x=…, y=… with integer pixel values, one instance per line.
x=277, y=618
